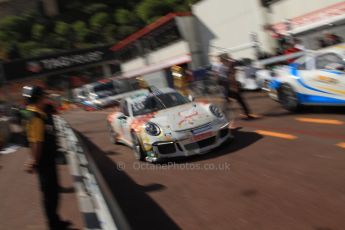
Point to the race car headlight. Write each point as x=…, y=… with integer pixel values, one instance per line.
x=152, y=129
x=216, y=111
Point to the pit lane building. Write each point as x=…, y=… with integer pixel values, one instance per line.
x=151, y=51
x=191, y=39
x=231, y=22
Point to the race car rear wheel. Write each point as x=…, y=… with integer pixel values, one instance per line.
x=138, y=151
x=288, y=98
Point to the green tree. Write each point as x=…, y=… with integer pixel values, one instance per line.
x=4, y=36
x=125, y=17
x=13, y=27
x=56, y=41
x=148, y=10
x=82, y=24
x=124, y=31
x=26, y=49
x=65, y=35
x=99, y=20
x=10, y=23
x=95, y=8
x=81, y=31
x=43, y=51
x=62, y=28
x=37, y=31
x=110, y=32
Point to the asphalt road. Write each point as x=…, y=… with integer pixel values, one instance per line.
x=282, y=171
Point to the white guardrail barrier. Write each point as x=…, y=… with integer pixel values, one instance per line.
x=97, y=205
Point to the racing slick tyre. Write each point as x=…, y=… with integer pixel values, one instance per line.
x=138, y=151
x=112, y=135
x=287, y=98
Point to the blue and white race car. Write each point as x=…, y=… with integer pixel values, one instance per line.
x=316, y=78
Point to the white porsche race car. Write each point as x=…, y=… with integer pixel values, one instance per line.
x=165, y=124
x=316, y=78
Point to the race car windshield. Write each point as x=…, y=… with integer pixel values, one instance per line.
x=153, y=103
x=104, y=87
x=103, y=94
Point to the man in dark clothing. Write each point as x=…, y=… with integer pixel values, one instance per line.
x=41, y=136
x=228, y=81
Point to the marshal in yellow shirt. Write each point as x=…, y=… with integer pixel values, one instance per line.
x=35, y=126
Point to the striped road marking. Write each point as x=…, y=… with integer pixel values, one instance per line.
x=320, y=121
x=275, y=134
x=341, y=145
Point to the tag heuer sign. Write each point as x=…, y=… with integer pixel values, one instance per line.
x=50, y=63
x=71, y=60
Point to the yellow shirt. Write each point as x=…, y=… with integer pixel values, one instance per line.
x=35, y=126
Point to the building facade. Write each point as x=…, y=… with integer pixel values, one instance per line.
x=309, y=20
x=230, y=23
x=153, y=50
x=216, y=26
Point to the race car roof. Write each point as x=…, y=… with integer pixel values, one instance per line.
x=339, y=48
x=145, y=92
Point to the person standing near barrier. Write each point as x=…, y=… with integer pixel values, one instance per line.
x=41, y=136
x=230, y=84
x=221, y=70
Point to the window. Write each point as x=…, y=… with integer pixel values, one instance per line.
x=324, y=60
x=151, y=103
x=121, y=86
x=104, y=87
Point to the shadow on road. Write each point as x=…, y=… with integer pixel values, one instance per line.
x=307, y=110
x=250, y=193
x=140, y=210
x=323, y=228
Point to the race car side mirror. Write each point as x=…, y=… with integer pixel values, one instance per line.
x=191, y=98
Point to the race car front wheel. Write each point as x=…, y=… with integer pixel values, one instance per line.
x=288, y=98
x=138, y=151
x=112, y=135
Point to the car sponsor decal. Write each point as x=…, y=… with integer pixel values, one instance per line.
x=294, y=72
x=336, y=72
x=341, y=92
x=325, y=79
x=274, y=84
x=187, y=116
x=201, y=129
x=139, y=121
